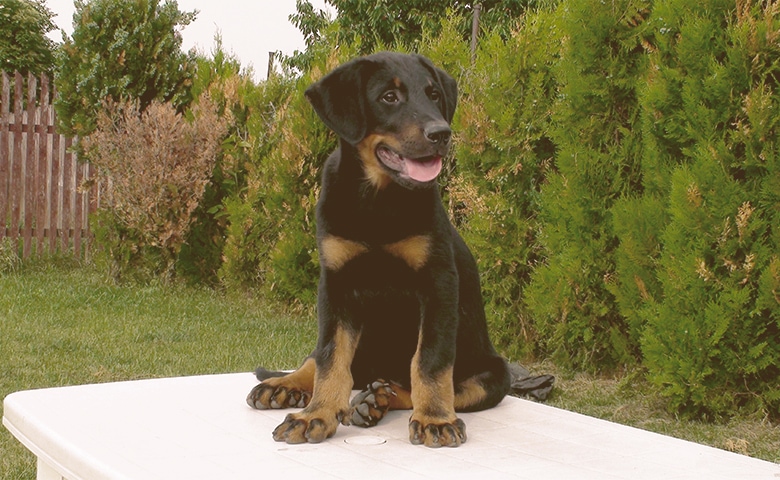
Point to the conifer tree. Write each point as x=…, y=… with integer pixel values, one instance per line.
x=502, y=153
x=712, y=340
x=597, y=162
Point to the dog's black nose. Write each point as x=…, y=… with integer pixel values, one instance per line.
x=438, y=132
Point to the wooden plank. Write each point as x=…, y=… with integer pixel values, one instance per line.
x=42, y=172
x=5, y=146
x=17, y=181
x=30, y=164
x=78, y=214
x=94, y=204
x=67, y=196
x=56, y=192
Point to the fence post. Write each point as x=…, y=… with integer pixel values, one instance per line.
x=5, y=98
x=41, y=172
x=42, y=202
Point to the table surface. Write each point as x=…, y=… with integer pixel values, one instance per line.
x=201, y=428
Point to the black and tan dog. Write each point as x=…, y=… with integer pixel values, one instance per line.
x=400, y=307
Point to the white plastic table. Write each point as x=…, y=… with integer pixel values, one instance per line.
x=201, y=428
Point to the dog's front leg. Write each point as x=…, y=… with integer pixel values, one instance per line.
x=433, y=422
x=329, y=404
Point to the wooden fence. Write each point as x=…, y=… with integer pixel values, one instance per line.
x=44, y=201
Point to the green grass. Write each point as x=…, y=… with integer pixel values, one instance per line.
x=64, y=324
x=631, y=400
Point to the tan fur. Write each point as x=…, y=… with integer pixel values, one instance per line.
x=301, y=379
x=375, y=173
x=333, y=386
x=413, y=250
x=433, y=398
x=335, y=251
x=470, y=392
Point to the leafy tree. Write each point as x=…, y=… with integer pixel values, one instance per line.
x=24, y=45
x=122, y=51
x=402, y=22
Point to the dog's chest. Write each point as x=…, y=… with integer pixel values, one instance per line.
x=338, y=254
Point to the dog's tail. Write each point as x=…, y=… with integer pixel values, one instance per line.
x=264, y=374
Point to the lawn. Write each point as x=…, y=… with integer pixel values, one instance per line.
x=66, y=325
x=62, y=324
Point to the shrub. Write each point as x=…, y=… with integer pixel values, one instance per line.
x=271, y=238
x=245, y=106
x=154, y=167
x=122, y=51
x=502, y=152
x=712, y=341
x=597, y=162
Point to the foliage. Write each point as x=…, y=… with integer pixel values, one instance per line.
x=597, y=162
x=220, y=76
x=374, y=25
x=24, y=45
x=503, y=151
x=121, y=51
x=155, y=166
x=271, y=239
x=314, y=25
x=712, y=338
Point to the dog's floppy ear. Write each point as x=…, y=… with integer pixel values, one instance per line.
x=339, y=99
x=448, y=85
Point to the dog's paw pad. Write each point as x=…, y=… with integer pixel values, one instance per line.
x=370, y=406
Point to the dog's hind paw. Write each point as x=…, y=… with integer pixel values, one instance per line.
x=370, y=406
x=266, y=395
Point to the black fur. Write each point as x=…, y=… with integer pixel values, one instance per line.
x=430, y=291
x=377, y=293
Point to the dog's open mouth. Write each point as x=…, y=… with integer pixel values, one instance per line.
x=422, y=170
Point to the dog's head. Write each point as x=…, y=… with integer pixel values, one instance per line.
x=396, y=110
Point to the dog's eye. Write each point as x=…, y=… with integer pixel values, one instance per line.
x=434, y=95
x=390, y=97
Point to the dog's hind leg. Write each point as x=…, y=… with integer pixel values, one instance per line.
x=484, y=389
x=279, y=390
x=478, y=392
x=368, y=407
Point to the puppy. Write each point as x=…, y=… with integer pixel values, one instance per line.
x=399, y=301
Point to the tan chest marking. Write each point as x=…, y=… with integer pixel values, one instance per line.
x=414, y=251
x=335, y=251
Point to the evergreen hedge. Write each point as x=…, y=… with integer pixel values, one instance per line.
x=616, y=173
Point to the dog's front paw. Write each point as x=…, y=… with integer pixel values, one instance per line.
x=306, y=427
x=270, y=394
x=433, y=432
x=370, y=406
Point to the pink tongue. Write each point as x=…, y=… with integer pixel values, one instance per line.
x=423, y=171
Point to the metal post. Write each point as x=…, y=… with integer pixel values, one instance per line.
x=475, y=32
x=271, y=57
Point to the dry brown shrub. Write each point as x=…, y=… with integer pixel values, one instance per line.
x=154, y=167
